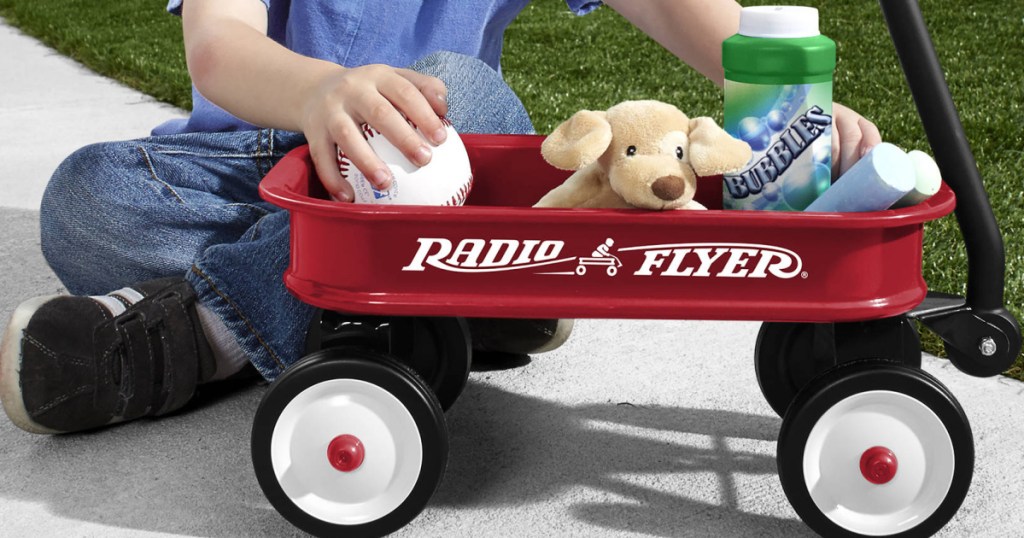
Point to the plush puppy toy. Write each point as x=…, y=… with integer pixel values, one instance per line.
x=644, y=154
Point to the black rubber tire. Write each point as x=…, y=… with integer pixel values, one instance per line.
x=787, y=357
x=438, y=349
x=858, y=377
x=783, y=361
x=384, y=372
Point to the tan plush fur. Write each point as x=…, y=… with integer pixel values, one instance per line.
x=651, y=175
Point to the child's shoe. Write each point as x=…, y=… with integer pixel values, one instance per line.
x=518, y=336
x=72, y=363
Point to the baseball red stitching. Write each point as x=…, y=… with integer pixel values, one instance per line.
x=343, y=164
x=459, y=198
x=368, y=131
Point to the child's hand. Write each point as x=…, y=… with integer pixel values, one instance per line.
x=852, y=137
x=377, y=95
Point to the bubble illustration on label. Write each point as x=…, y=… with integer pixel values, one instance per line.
x=754, y=131
x=775, y=120
x=806, y=182
x=792, y=145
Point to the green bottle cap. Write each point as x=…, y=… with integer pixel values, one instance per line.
x=779, y=45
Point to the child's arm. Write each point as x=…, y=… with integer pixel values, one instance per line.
x=236, y=66
x=693, y=30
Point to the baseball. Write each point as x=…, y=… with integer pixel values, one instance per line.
x=445, y=181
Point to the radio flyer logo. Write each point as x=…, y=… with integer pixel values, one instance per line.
x=700, y=260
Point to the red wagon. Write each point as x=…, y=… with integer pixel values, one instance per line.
x=352, y=439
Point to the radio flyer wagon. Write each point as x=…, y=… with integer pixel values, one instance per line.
x=352, y=441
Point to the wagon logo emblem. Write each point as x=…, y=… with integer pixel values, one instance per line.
x=601, y=257
x=719, y=260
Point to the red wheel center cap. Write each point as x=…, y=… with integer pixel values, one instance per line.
x=346, y=453
x=878, y=465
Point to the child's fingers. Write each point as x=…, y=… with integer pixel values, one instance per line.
x=408, y=98
x=871, y=136
x=432, y=88
x=846, y=136
x=852, y=137
x=325, y=160
x=348, y=136
x=389, y=122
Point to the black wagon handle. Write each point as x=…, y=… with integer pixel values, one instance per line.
x=985, y=255
x=981, y=336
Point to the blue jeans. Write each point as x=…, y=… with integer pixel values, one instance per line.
x=119, y=213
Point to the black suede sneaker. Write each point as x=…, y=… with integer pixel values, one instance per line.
x=518, y=336
x=72, y=363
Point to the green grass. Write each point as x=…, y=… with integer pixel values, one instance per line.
x=133, y=41
x=559, y=63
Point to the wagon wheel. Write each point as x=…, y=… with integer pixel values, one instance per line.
x=873, y=448
x=612, y=270
x=787, y=355
x=581, y=270
x=349, y=443
x=438, y=349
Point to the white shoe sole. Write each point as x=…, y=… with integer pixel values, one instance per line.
x=10, y=366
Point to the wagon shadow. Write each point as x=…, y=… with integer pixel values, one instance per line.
x=512, y=450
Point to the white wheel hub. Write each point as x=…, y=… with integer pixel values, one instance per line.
x=346, y=407
x=856, y=425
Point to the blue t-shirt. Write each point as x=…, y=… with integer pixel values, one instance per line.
x=353, y=33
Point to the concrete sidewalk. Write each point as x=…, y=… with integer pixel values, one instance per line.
x=634, y=428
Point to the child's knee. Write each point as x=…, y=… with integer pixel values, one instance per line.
x=84, y=175
x=79, y=190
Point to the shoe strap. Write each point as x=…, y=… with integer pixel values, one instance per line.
x=180, y=337
x=132, y=366
x=159, y=355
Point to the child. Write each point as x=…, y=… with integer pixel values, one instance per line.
x=174, y=222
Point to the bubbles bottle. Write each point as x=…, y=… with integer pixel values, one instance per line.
x=778, y=99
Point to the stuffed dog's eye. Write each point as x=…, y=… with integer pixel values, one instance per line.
x=674, y=143
x=631, y=151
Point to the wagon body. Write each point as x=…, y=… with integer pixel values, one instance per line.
x=498, y=257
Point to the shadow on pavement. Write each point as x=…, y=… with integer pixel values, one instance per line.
x=667, y=471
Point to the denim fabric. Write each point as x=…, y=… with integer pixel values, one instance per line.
x=118, y=213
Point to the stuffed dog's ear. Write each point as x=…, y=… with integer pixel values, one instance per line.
x=578, y=141
x=713, y=151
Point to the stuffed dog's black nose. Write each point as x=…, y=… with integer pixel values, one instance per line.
x=669, y=188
